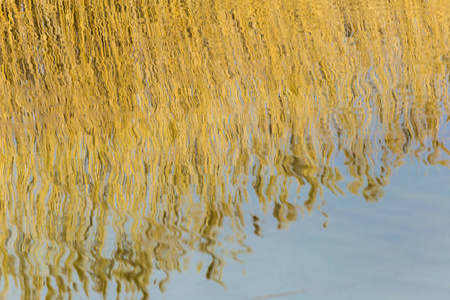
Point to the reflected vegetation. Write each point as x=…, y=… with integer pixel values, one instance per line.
x=135, y=133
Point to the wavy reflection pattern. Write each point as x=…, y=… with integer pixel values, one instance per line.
x=133, y=133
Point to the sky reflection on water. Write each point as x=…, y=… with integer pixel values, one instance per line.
x=397, y=248
x=163, y=149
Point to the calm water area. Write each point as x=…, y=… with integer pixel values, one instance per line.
x=202, y=149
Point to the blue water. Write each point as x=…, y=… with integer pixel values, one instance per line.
x=396, y=248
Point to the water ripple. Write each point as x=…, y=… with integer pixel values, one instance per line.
x=134, y=134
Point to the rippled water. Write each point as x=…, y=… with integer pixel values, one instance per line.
x=147, y=140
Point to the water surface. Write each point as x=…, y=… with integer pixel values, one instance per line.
x=225, y=149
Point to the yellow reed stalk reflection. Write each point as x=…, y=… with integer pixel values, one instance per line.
x=144, y=125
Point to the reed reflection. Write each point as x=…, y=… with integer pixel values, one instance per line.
x=134, y=133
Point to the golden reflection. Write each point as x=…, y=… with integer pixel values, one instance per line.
x=133, y=134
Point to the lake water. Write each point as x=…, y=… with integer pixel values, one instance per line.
x=224, y=149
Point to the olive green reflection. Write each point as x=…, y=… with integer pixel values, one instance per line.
x=146, y=125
